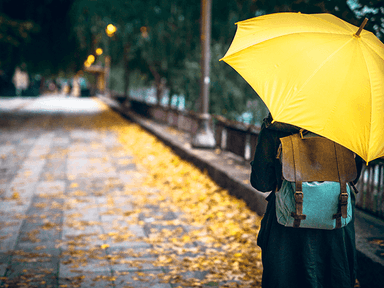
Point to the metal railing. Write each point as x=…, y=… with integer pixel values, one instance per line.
x=371, y=188
x=241, y=139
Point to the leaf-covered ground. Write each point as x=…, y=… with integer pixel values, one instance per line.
x=225, y=227
x=160, y=220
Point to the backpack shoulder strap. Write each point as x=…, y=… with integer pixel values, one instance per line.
x=296, y=156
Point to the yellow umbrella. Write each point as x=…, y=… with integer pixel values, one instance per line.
x=317, y=72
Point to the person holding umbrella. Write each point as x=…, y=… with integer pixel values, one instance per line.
x=298, y=257
x=319, y=73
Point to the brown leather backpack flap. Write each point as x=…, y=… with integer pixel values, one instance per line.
x=318, y=159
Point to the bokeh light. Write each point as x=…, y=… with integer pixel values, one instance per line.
x=110, y=30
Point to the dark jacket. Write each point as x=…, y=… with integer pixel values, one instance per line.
x=298, y=257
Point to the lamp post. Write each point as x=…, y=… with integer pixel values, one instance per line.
x=204, y=137
x=110, y=30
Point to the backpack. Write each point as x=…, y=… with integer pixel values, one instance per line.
x=315, y=191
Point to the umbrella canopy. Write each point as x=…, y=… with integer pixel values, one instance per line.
x=316, y=72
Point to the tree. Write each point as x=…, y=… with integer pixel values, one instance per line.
x=161, y=39
x=37, y=33
x=89, y=20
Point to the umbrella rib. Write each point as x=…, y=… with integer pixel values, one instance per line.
x=370, y=85
x=328, y=22
x=370, y=47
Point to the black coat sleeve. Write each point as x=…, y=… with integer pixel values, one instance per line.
x=359, y=166
x=266, y=169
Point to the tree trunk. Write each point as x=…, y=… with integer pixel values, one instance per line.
x=158, y=83
x=126, y=70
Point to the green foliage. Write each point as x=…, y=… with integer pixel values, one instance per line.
x=231, y=96
x=36, y=33
x=16, y=32
x=160, y=39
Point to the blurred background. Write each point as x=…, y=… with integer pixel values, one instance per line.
x=141, y=49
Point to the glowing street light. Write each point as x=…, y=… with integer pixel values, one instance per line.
x=99, y=51
x=91, y=59
x=110, y=30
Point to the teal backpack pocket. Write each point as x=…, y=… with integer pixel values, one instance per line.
x=320, y=204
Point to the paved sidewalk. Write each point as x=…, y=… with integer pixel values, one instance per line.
x=53, y=201
x=72, y=210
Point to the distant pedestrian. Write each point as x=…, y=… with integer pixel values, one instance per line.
x=20, y=80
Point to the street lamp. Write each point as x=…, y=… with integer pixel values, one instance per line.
x=99, y=51
x=110, y=30
x=89, y=61
x=204, y=137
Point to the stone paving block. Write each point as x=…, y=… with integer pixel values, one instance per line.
x=137, y=230
x=13, y=160
x=123, y=202
x=38, y=152
x=126, y=237
x=77, y=166
x=124, y=167
x=8, y=170
x=86, y=236
x=6, y=150
x=145, y=279
x=41, y=272
x=98, y=155
x=98, y=187
x=80, y=187
x=119, y=153
x=29, y=171
x=34, y=234
x=87, y=213
x=4, y=261
x=57, y=154
x=11, y=137
x=125, y=177
x=3, y=187
x=84, y=135
x=73, y=266
x=61, y=141
x=42, y=146
x=83, y=167
x=110, y=139
x=8, y=236
x=50, y=188
x=13, y=208
x=92, y=279
x=78, y=152
x=97, y=146
x=135, y=264
x=28, y=141
x=56, y=171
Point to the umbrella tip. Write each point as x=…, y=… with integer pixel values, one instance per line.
x=357, y=34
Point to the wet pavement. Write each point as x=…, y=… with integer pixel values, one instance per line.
x=76, y=210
